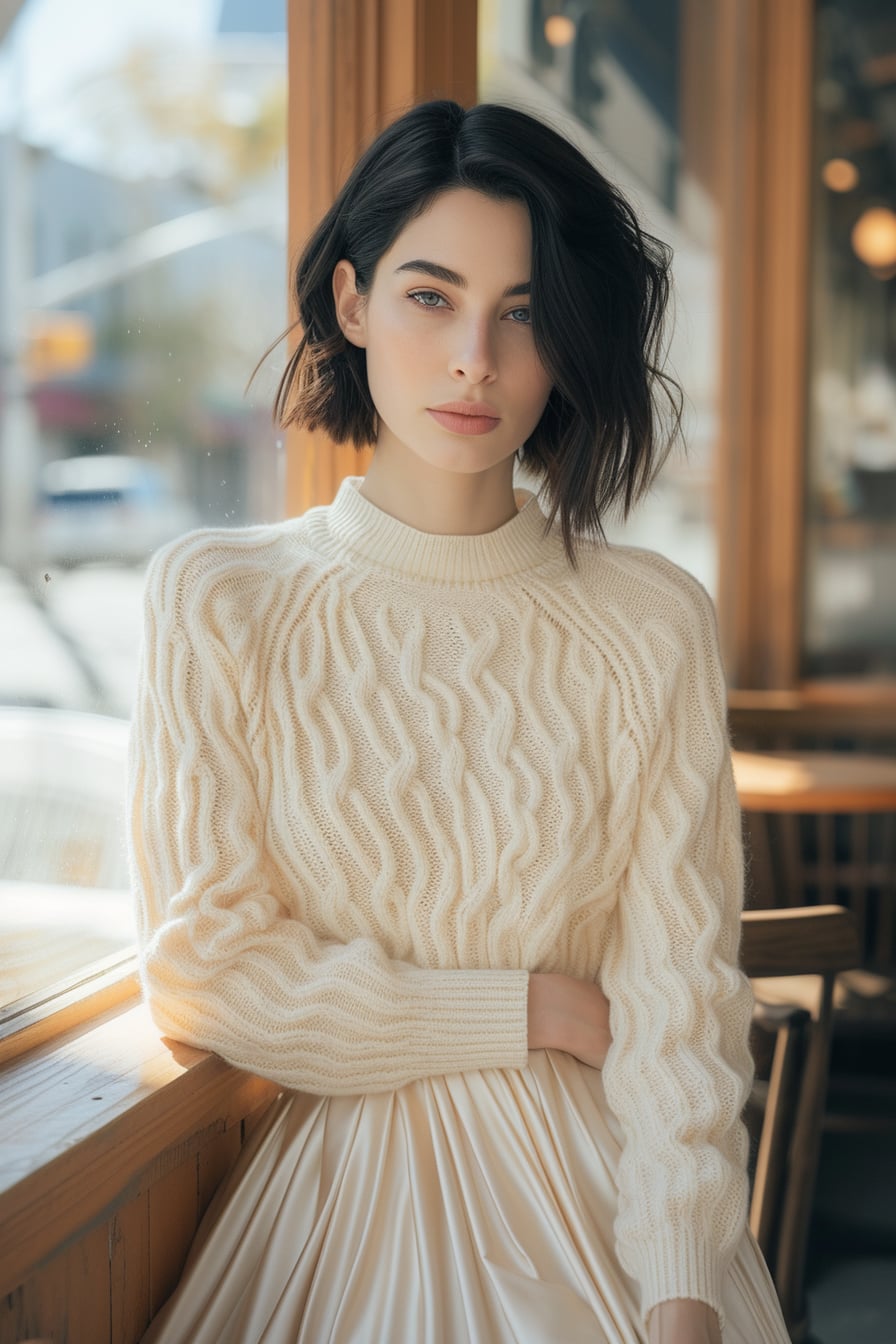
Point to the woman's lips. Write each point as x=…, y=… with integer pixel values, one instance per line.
x=464, y=424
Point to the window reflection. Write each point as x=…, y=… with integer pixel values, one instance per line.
x=143, y=255
x=850, y=625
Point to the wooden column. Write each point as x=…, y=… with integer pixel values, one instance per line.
x=765, y=106
x=354, y=66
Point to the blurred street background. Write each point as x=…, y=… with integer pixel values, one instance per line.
x=143, y=240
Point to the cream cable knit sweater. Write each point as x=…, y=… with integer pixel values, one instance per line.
x=377, y=776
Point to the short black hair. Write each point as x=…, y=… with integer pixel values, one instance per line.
x=600, y=289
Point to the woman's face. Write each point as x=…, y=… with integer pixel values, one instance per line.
x=431, y=340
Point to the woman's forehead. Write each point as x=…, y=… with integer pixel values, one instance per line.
x=473, y=236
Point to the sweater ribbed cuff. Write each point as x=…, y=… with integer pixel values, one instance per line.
x=466, y=1020
x=677, y=1265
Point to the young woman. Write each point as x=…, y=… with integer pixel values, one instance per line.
x=432, y=817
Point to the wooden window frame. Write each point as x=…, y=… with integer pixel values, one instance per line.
x=94, y=989
x=765, y=112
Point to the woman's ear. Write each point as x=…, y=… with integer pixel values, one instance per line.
x=351, y=307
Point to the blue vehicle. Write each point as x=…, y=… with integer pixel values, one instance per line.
x=107, y=507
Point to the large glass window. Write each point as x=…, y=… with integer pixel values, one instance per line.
x=632, y=83
x=143, y=255
x=850, y=612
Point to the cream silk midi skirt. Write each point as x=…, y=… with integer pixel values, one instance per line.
x=472, y=1208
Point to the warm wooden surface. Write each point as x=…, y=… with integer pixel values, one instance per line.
x=763, y=190
x=87, y=1119
x=814, y=781
x=45, y=1015
x=105, y=1284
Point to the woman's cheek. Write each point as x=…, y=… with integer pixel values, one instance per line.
x=403, y=334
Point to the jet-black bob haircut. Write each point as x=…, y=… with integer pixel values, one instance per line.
x=600, y=289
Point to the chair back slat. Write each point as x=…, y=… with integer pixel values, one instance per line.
x=827, y=860
x=885, y=879
x=792, y=875
x=857, y=877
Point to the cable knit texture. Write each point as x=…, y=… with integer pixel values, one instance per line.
x=377, y=776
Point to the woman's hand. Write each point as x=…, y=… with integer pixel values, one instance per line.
x=683, y=1320
x=571, y=1015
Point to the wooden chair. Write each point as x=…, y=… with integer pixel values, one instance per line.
x=791, y=1043
x=821, y=829
x=834, y=844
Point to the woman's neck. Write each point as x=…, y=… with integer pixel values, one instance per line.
x=431, y=499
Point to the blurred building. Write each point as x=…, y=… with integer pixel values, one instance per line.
x=172, y=340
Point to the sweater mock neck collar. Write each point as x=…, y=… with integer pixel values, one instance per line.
x=357, y=525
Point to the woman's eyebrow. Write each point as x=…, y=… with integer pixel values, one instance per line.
x=452, y=278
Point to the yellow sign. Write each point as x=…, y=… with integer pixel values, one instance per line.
x=60, y=342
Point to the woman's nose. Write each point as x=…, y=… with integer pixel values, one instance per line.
x=474, y=357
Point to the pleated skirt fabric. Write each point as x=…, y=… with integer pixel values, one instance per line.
x=470, y=1207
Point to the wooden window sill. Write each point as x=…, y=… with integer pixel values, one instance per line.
x=92, y=1117
x=66, y=1004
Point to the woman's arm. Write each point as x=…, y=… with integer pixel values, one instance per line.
x=678, y=1072
x=225, y=963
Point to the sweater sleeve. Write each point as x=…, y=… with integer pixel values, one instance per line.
x=225, y=964
x=679, y=1069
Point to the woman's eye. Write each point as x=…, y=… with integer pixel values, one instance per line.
x=430, y=299
x=425, y=293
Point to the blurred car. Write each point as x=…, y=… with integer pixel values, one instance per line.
x=107, y=507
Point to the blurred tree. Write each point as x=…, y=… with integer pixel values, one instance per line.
x=188, y=113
